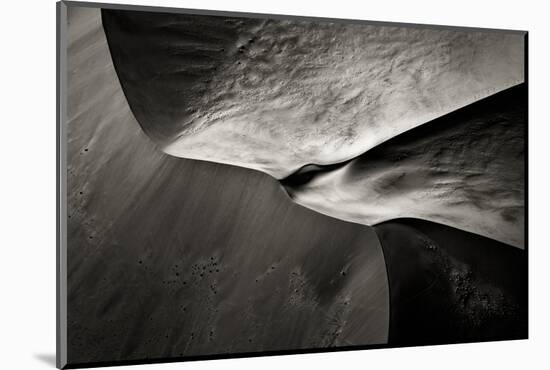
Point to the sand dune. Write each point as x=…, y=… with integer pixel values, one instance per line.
x=169, y=257
x=449, y=286
x=465, y=170
x=276, y=95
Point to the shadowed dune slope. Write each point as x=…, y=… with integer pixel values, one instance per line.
x=450, y=286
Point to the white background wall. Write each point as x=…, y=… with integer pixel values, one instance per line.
x=27, y=183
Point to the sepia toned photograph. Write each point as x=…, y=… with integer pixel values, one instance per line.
x=235, y=185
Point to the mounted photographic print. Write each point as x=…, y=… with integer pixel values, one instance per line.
x=235, y=184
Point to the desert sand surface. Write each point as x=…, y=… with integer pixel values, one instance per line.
x=223, y=174
x=449, y=286
x=283, y=95
x=275, y=95
x=465, y=170
x=169, y=257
